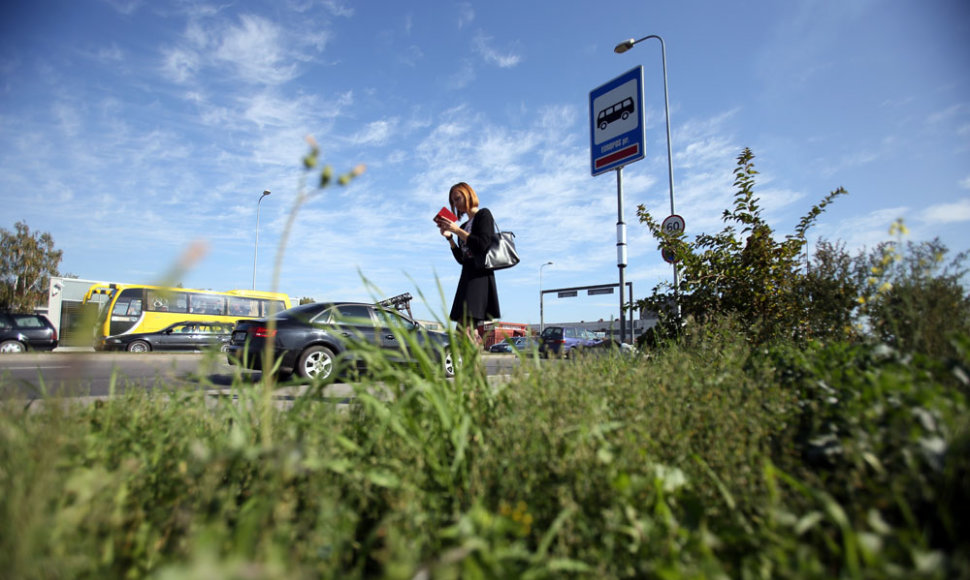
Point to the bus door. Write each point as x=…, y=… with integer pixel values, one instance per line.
x=127, y=311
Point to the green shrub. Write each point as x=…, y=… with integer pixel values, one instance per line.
x=711, y=458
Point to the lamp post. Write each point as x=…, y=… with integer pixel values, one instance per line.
x=541, y=321
x=256, y=248
x=620, y=49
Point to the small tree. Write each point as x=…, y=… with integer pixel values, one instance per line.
x=913, y=298
x=27, y=262
x=747, y=273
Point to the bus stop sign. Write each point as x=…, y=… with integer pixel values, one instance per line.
x=616, y=122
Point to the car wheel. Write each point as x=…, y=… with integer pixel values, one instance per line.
x=139, y=346
x=316, y=363
x=9, y=346
x=450, y=363
x=224, y=347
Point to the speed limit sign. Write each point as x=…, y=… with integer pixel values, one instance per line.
x=673, y=225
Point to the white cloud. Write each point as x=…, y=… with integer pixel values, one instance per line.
x=375, y=133
x=255, y=50
x=482, y=45
x=180, y=65
x=958, y=211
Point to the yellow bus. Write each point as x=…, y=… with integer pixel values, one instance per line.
x=132, y=308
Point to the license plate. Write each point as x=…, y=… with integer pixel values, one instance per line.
x=239, y=336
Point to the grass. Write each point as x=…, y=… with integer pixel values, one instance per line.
x=704, y=460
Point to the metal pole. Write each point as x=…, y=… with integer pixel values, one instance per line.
x=541, y=318
x=256, y=248
x=620, y=245
x=621, y=48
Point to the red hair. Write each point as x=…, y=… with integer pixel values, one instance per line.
x=467, y=193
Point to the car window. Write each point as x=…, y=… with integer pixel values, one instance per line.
x=27, y=321
x=553, y=332
x=5, y=323
x=389, y=318
x=352, y=314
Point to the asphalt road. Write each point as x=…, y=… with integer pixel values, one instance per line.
x=99, y=374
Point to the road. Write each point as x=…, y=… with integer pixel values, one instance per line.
x=98, y=374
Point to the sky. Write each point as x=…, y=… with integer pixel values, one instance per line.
x=137, y=131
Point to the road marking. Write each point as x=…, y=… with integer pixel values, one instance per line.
x=36, y=368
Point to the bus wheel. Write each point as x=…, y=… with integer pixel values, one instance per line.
x=316, y=363
x=139, y=346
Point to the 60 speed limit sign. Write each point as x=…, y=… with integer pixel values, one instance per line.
x=673, y=225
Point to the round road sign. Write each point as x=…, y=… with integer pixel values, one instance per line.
x=674, y=224
x=668, y=255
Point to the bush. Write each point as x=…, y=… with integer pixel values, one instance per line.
x=709, y=458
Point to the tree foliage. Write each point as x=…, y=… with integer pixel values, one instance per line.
x=909, y=296
x=27, y=262
x=742, y=271
x=912, y=297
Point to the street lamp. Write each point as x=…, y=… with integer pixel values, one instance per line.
x=256, y=248
x=620, y=49
x=540, y=295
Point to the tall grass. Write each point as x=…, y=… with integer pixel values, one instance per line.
x=706, y=459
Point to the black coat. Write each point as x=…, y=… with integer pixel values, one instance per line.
x=476, y=298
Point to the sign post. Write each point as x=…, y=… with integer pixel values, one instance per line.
x=616, y=133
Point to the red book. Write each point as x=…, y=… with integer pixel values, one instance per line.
x=446, y=213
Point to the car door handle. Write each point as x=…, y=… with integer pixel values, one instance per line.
x=389, y=337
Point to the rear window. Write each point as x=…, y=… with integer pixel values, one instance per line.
x=552, y=332
x=28, y=321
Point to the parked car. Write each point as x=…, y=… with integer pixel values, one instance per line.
x=503, y=346
x=189, y=335
x=319, y=340
x=513, y=344
x=23, y=332
x=561, y=341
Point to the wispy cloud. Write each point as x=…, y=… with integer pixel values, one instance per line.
x=466, y=14
x=254, y=49
x=958, y=211
x=375, y=133
x=483, y=46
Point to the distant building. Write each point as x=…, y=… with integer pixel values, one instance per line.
x=64, y=299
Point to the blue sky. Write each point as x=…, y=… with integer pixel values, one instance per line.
x=130, y=129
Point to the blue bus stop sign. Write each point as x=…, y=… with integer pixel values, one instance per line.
x=616, y=122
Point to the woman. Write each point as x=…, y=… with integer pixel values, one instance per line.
x=476, y=298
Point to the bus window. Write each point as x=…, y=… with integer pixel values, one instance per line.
x=207, y=304
x=128, y=304
x=164, y=301
x=271, y=307
x=243, y=307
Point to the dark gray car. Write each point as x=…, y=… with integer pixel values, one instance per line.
x=23, y=332
x=311, y=339
x=190, y=336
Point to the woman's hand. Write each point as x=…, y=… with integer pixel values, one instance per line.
x=444, y=227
